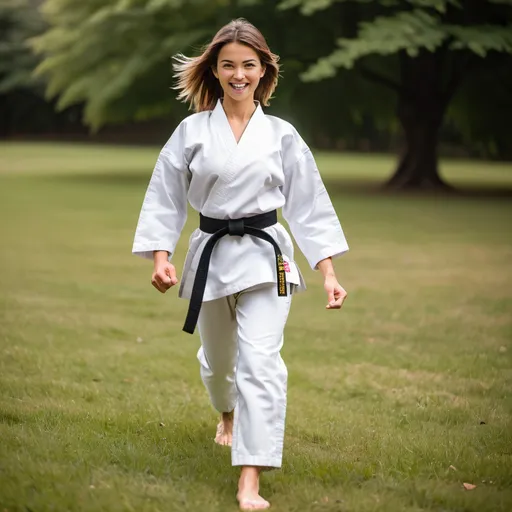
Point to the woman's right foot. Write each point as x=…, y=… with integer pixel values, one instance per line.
x=252, y=501
x=224, y=435
x=248, y=490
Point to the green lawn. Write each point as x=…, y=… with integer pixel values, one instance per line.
x=394, y=402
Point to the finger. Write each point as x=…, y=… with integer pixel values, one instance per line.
x=337, y=303
x=171, y=273
x=330, y=298
x=164, y=283
x=164, y=279
x=158, y=285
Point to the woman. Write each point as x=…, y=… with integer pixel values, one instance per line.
x=236, y=166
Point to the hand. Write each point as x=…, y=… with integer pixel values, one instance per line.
x=164, y=276
x=336, y=294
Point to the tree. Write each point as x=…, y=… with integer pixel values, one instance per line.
x=19, y=20
x=115, y=57
x=113, y=54
x=422, y=50
x=23, y=107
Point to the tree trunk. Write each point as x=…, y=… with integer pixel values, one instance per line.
x=421, y=110
x=418, y=165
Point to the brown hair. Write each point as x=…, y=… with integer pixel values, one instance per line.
x=197, y=83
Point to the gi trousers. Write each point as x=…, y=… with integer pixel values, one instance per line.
x=242, y=369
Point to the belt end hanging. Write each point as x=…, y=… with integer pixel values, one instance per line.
x=191, y=321
x=188, y=330
x=281, y=277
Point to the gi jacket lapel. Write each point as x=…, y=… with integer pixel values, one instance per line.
x=237, y=155
x=221, y=123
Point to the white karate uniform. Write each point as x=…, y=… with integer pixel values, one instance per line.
x=270, y=167
x=242, y=369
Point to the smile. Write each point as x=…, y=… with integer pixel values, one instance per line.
x=239, y=87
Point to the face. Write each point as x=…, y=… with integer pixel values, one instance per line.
x=239, y=71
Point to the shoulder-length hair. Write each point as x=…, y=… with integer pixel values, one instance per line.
x=195, y=79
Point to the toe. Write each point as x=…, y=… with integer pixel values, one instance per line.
x=260, y=504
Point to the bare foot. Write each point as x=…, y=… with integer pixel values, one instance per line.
x=224, y=434
x=248, y=490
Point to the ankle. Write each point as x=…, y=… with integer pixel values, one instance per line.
x=227, y=416
x=249, y=476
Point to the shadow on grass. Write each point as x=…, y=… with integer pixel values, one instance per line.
x=334, y=186
x=9, y=418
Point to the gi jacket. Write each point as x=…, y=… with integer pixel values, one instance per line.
x=270, y=167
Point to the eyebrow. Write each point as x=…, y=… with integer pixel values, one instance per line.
x=244, y=62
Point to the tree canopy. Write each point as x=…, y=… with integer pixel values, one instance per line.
x=350, y=67
x=113, y=55
x=19, y=21
x=424, y=50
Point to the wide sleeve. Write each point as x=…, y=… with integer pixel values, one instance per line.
x=164, y=209
x=308, y=208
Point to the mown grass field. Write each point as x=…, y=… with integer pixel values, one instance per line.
x=394, y=403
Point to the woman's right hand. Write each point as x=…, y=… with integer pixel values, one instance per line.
x=164, y=276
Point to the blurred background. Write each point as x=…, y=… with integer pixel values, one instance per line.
x=416, y=78
x=399, y=402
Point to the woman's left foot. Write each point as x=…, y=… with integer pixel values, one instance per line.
x=224, y=435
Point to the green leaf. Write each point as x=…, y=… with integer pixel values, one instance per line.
x=481, y=39
x=308, y=7
x=20, y=22
x=97, y=52
x=409, y=31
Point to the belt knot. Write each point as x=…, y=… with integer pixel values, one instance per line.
x=236, y=227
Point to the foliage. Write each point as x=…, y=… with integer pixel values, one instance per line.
x=116, y=57
x=19, y=21
x=114, y=54
x=467, y=40
x=428, y=24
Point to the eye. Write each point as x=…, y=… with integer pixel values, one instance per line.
x=250, y=65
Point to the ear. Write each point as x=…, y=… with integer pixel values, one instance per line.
x=214, y=71
x=263, y=69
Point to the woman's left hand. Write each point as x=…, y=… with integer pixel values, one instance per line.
x=336, y=294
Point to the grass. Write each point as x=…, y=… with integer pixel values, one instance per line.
x=101, y=404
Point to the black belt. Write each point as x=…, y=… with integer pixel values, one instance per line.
x=233, y=227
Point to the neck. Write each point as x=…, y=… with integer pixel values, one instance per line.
x=241, y=110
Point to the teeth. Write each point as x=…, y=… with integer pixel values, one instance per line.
x=238, y=86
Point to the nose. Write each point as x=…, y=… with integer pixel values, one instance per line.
x=239, y=73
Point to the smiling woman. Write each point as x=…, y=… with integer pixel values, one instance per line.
x=198, y=79
x=237, y=166
x=239, y=70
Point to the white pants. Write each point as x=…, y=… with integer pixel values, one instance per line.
x=241, y=336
